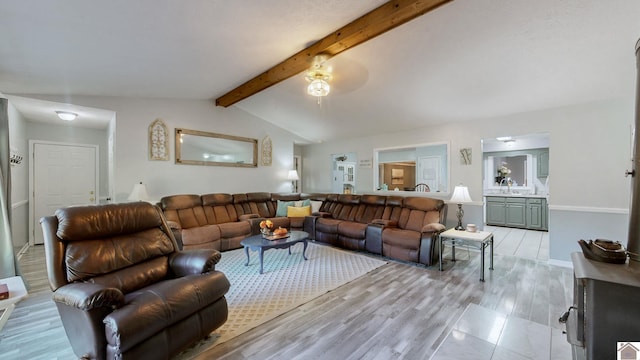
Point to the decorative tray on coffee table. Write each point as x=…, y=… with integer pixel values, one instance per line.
x=276, y=237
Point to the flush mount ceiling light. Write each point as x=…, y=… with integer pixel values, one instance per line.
x=318, y=77
x=67, y=115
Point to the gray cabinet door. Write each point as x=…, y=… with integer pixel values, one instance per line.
x=496, y=214
x=543, y=164
x=534, y=215
x=516, y=212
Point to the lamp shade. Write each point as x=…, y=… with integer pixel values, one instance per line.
x=293, y=175
x=461, y=195
x=139, y=193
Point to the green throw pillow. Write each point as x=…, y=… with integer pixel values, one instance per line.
x=281, y=210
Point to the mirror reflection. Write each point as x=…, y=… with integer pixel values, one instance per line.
x=205, y=148
x=516, y=164
x=423, y=167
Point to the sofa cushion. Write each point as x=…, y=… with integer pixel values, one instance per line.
x=293, y=211
x=352, y=229
x=85, y=259
x=201, y=235
x=327, y=225
x=158, y=306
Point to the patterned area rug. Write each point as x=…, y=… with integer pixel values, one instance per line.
x=288, y=281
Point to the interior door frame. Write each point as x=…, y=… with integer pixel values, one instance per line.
x=32, y=195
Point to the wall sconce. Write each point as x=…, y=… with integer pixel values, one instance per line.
x=293, y=176
x=139, y=193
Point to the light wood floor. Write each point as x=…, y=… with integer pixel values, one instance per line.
x=398, y=311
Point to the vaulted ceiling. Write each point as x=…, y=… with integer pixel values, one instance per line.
x=466, y=60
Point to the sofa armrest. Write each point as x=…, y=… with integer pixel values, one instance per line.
x=254, y=221
x=428, y=243
x=176, y=229
x=385, y=223
x=82, y=307
x=196, y=261
x=174, y=225
x=248, y=216
x=322, y=214
x=88, y=296
x=433, y=228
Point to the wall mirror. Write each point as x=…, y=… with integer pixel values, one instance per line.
x=402, y=168
x=205, y=148
x=516, y=164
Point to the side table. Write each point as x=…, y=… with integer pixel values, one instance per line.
x=479, y=240
x=17, y=292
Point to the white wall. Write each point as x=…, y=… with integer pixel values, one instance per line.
x=131, y=164
x=589, y=152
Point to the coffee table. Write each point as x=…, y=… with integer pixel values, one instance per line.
x=260, y=244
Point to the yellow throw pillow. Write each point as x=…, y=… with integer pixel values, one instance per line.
x=293, y=211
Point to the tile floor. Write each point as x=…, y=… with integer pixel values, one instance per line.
x=484, y=334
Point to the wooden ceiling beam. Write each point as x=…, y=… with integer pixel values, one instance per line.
x=380, y=20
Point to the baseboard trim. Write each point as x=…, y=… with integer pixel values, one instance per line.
x=561, y=263
x=589, y=209
x=23, y=250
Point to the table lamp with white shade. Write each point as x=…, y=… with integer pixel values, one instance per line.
x=293, y=176
x=460, y=196
x=139, y=193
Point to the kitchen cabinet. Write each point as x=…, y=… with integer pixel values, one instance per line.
x=543, y=164
x=520, y=212
x=496, y=211
x=515, y=212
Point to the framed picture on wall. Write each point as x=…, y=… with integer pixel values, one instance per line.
x=397, y=176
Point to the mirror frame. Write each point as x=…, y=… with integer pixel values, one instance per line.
x=180, y=160
x=376, y=166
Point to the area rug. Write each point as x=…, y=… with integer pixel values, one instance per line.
x=288, y=281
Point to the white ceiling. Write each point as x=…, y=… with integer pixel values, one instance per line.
x=470, y=59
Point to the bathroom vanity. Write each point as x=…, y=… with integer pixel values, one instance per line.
x=520, y=211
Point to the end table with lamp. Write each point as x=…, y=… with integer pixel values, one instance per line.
x=460, y=196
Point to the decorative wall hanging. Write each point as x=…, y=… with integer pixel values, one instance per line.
x=465, y=156
x=158, y=141
x=266, y=151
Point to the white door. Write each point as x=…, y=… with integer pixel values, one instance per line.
x=429, y=172
x=63, y=175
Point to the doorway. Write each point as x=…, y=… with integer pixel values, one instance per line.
x=61, y=175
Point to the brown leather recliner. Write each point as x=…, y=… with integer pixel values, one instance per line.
x=122, y=287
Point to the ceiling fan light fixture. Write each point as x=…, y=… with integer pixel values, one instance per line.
x=318, y=77
x=318, y=87
x=67, y=115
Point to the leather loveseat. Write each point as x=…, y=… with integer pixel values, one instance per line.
x=122, y=288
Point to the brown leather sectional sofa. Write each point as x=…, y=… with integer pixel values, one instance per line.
x=221, y=221
x=403, y=228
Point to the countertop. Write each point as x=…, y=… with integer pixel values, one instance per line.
x=538, y=196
